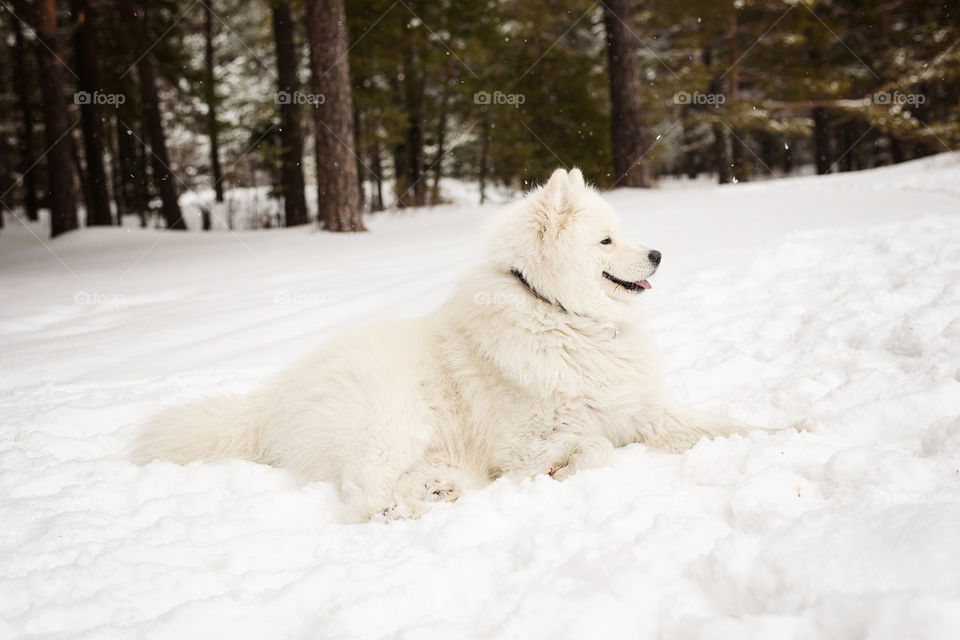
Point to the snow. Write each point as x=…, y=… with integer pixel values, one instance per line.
x=830, y=299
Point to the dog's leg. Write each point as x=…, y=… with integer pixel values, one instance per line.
x=677, y=429
x=583, y=452
x=365, y=492
x=432, y=480
x=558, y=454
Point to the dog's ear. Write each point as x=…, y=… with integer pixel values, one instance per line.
x=557, y=184
x=576, y=179
x=554, y=197
x=552, y=204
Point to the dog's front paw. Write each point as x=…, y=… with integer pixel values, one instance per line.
x=409, y=507
x=562, y=471
x=414, y=496
x=406, y=510
x=585, y=453
x=446, y=490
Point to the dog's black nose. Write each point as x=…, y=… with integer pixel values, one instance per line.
x=655, y=257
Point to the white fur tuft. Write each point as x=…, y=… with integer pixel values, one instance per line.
x=216, y=428
x=576, y=179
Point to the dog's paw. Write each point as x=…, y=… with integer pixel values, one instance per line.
x=407, y=510
x=586, y=453
x=404, y=508
x=562, y=472
x=443, y=490
x=413, y=499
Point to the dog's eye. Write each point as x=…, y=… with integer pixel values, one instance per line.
x=606, y=240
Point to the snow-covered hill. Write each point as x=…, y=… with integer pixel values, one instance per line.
x=833, y=299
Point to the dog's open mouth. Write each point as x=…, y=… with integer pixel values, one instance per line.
x=637, y=286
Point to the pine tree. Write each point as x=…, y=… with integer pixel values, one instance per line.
x=22, y=83
x=338, y=196
x=91, y=120
x=163, y=176
x=628, y=128
x=210, y=98
x=61, y=190
x=288, y=84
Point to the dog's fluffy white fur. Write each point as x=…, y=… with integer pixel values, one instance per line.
x=512, y=378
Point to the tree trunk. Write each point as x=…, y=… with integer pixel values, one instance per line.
x=291, y=157
x=484, y=147
x=377, y=167
x=81, y=173
x=689, y=164
x=441, y=133
x=162, y=174
x=361, y=170
x=7, y=170
x=337, y=194
x=98, y=197
x=821, y=140
x=61, y=189
x=629, y=136
x=768, y=151
x=822, y=154
x=7, y=176
x=210, y=96
x=417, y=91
x=741, y=172
x=400, y=155
x=438, y=162
x=25, y=133
x=721, y=162
x=738, y=159
x=132, y=194
x=787, y=158
x=896, y=150
x=113, y=173
x=846, y=163
x=410, y=85
x=143, y=169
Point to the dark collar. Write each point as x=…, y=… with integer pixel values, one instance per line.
x=526, y=285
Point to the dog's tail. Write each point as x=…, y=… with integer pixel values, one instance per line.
x=216, y=428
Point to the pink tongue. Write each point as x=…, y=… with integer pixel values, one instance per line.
x=644, y=284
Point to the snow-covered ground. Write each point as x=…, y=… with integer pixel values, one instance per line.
x=835, y=300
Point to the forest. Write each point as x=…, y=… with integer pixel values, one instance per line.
x=114, y=109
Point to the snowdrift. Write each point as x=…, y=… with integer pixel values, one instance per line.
x=833, y=299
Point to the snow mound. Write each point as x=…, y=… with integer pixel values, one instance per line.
x=831, y=300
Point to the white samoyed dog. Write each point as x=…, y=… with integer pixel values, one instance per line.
x=535, y=366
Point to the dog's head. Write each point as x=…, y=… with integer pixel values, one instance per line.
x=565, y=240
